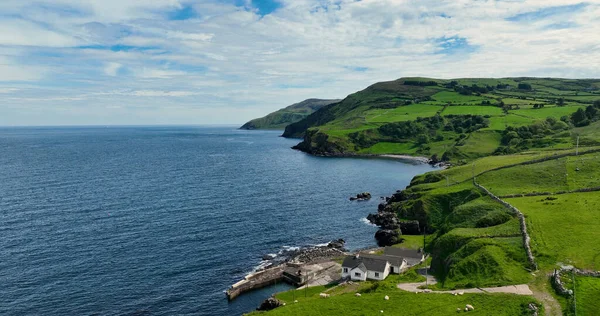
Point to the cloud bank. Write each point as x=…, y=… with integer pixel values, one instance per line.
x=77, y=62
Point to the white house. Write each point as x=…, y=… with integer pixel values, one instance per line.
x=361, y=267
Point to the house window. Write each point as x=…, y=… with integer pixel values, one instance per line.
x=356, y=274
x=376, y=274
x=345, y=270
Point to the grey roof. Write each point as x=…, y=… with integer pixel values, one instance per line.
x=369, y=263
x=404, y=253
x=395, y=261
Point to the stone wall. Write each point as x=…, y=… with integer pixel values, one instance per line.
x=523, y=224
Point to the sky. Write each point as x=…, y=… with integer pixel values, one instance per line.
x=146, y=62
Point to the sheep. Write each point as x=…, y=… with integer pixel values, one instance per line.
x=324, y=295
x=357, y=294
x=387, y=298
x=470, y=307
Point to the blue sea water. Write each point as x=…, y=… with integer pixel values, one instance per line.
x=161, y=220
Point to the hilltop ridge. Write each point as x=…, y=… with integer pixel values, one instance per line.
x=288, y=115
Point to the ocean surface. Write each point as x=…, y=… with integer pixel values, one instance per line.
x=162, y=220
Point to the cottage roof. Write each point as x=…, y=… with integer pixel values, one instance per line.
x=369, y=263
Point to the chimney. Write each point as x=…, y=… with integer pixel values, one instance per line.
x=356, y=256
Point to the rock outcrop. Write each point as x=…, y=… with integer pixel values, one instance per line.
x=361, y=197
x=269, y=304
x=388, y=237
x=385, y=220
x=337, y=244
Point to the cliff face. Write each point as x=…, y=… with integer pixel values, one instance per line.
x=291, y=114
x=319, y=144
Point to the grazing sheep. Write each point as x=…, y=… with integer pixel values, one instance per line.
x=461, y=293
x=470, y=307
x=357, y=294
x=324, y=295
x=296, y=301
x=458, y=309
x=387, y=298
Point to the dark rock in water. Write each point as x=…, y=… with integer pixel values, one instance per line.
x=361, y=197
x=381, y=207
x=388, y=237
x=385, y=220
x=269, y=304
x=410, y=227
x=338, y=244
x=269, y=257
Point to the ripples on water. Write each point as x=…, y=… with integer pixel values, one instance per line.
x=161, y=220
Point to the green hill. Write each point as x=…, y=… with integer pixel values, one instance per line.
x=458, y=119
x=291, y=114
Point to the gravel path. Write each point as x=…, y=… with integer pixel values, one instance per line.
x=521, y=289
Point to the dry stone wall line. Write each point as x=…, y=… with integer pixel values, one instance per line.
x=523, y=224
x=583, y=190
x=558, y=284
x=552, y=157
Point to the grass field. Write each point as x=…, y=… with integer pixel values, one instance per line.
x=473, y=110
x=403, y=113
x=500, y=123
x=587, y=294
x=556, y=112
x=564, y=174
x=565, y=230
x=454, y=97
x=391, y=148
x=481, y=143
x=401, y=303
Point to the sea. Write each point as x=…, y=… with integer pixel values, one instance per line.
x=161, y=220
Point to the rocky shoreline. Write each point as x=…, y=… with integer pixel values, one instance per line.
x=390, y=226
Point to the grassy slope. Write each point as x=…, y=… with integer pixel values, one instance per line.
x=474, y=241
x=564, y=230
x=587, y=293
x=383, y=103
x=291, y=114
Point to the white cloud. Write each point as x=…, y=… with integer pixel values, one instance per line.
x=233, y=61
x=112, y=68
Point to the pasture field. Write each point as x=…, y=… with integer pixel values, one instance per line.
x=473, y=110
x=391, y=148
x=402, y=113
x=499, y=123
x=481, y=143
x=564, y=174
x=543, y=113
x=587, y=295
x=372, y=302
x=564, y=228
x=455, y=97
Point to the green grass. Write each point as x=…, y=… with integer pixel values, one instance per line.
x=556, y=112
x=587, y=294
x=391, y=148
x=473, y=110
x=481, y=143
x=411, y=242
x=500, y=123
x=405, y=303
x=403, y=113
x=564, y=230
x=550, y=176
x=454, y=97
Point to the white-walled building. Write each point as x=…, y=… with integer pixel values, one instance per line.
x=363, y=267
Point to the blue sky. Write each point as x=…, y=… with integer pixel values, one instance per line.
x=104, y=62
